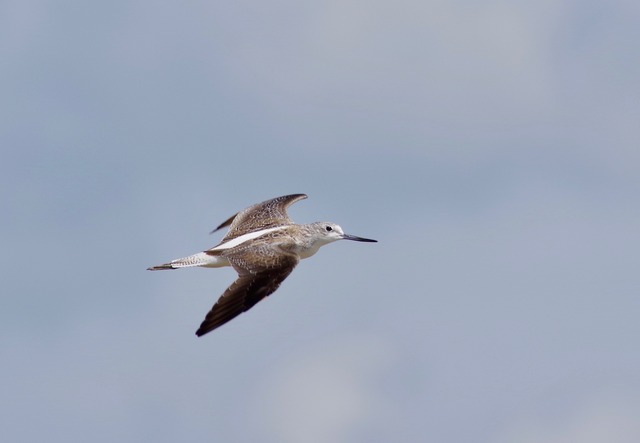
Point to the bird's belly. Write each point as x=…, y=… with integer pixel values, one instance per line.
x=216, y=262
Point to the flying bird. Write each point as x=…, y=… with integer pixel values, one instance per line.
x=263, y=245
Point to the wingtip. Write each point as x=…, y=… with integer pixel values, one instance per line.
x=224, y=224
x=200, y=332
x=294, y=196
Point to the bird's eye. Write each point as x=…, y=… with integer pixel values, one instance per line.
x=329, y=228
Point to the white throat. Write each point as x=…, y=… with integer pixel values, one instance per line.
x=311, y=250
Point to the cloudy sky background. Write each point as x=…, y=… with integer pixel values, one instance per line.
x=493, y=149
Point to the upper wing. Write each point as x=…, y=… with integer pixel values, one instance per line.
x=268, y=214
x=250, y=287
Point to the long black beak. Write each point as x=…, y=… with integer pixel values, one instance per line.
x=354, y=238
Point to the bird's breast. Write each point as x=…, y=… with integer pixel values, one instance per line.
x=308, y=251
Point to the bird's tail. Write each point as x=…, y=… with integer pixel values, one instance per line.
x=161, y=267
x=199, y=259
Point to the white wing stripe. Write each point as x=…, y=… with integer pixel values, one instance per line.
x=243, y=238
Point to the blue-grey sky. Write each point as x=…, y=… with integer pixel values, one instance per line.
x=493, y=149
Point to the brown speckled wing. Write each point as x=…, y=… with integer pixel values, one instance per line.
x=250, y=287
x=268, y=214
